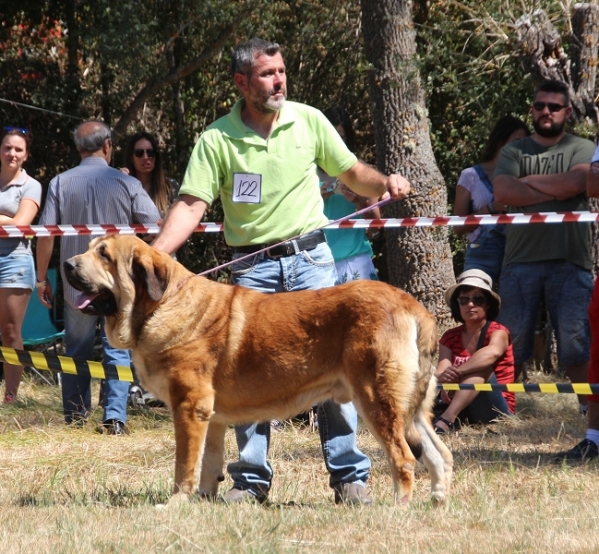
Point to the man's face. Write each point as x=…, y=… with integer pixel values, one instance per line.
x=267, y=85
x=549, y=114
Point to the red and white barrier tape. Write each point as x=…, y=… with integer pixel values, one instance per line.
x=12, y=231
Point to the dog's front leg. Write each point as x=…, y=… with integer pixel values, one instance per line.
x=213, y=460
x=190, y=434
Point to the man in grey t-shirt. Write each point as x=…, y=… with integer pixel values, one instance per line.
x=92, y=192
x=547, y=172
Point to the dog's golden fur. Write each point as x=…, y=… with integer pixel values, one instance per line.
x=220, y=354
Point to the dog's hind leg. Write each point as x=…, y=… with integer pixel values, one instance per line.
x=388, y=427
x=436, y=457
x=211, y=473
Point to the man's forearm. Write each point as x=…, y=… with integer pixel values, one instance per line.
x=561, y=185
x=365, y=180
x=180, y=223
x=514, y=192
x=43, y=253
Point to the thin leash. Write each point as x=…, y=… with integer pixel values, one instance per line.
x=254, y=254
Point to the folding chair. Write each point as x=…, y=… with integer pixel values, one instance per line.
x=39, y=329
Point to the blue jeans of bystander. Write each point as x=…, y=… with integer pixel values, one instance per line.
x=80, y=330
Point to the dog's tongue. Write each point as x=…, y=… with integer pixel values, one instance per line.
x=83, y=299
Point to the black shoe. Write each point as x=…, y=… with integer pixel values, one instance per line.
x=586, y=449
x=113, y=427
x=75, y=420
x=352, y=493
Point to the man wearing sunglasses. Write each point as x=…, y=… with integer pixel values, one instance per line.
x=547, y=172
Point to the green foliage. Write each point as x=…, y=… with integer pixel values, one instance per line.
x=91, y=59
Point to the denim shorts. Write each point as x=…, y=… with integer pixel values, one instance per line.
x=17, y=271
x=567, y=289
x=486, y=253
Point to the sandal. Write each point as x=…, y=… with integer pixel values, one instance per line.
x=439, y=430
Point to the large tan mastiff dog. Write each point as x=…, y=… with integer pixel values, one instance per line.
x=218, y=354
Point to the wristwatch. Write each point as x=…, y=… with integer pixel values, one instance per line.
x=41, y=284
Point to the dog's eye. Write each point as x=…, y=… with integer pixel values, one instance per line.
x=102, y=252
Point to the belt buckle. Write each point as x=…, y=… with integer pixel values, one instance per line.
x=286, y=247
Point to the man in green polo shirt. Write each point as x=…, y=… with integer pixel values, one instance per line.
x=262, y=159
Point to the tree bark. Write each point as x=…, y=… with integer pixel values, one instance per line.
x=585, y=37
x=419, y=259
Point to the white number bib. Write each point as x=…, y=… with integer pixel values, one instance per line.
x=247, y=188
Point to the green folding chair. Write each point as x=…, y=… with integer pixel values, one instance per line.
x=39, y=330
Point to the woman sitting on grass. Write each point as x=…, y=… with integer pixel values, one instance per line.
x=478, y=351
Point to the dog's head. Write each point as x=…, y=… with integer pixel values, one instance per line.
x=120, y=277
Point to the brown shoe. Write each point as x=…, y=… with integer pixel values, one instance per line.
x=352, y=493
x=237, y=496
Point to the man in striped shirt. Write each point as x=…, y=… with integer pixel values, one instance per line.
x=91, y=193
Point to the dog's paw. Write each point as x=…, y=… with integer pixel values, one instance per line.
x=175, y=501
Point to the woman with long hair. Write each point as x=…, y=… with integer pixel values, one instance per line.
x=20, y=198
x=474, y=195
x=143, y=161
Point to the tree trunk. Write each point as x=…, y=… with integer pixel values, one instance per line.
x=419, y=260
x=585, y=37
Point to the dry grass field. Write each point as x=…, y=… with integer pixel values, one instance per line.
x=66, y=490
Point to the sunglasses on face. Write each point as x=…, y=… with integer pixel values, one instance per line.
x=477, y=300
x=553, y=107
x=139, y=152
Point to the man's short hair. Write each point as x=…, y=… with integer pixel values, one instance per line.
x=244, y=55
x=94, y=140
x=558, y=87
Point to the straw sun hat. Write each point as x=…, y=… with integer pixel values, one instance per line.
x=473, y=278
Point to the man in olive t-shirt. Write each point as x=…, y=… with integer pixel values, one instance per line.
x=547, y=172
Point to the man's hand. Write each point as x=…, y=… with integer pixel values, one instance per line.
x=45, y=295
x=398, y=186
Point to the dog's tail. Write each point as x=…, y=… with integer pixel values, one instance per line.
x=414, y=440
x=427, y=340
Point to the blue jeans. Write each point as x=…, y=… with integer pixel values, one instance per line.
x=310, y=270
x=486, y=253
x=567, y=289
x=80, y=331
x=486, y=407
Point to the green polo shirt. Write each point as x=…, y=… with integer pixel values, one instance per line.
x=268, y=187
x=552, y=241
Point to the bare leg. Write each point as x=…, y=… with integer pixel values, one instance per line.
x=14, y=305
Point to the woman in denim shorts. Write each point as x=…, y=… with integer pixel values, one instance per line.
x=20, y=197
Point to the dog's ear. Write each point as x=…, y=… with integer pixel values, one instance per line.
x=147, y=269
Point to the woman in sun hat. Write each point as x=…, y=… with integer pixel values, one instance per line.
x=478, y=351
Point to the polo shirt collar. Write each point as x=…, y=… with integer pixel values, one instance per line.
x=236, y=129
x=21, y=180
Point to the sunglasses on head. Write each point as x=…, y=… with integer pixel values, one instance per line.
x=477, y=300
x=552, y=106
x=17, y=129
x=139, y=152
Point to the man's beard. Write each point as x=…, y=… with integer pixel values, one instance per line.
x=265, y=103
x=555, y=130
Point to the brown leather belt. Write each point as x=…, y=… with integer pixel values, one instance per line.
x=308, y=241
